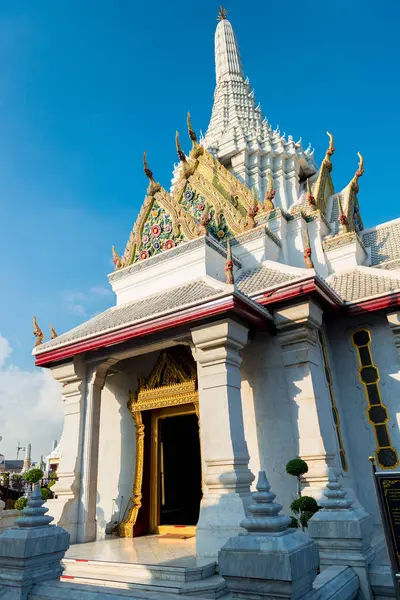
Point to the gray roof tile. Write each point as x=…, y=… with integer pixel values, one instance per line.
x=383, y=242
x=262, y=278
x=132, y=312
x=356, y=285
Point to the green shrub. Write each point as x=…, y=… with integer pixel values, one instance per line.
x=296, y=467
x=20, y=503
x=294, y=522
x=33, y=475
x=46, y=493
x=305, y=517
x=304, y=504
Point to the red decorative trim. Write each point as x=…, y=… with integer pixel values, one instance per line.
x=226, y=304
x=311, y=286
x=391, y=300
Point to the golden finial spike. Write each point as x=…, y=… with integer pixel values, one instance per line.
x=37, y=332
x=181, y=154
x=191, y=132
x=148, y=172
x=229, y=265
x=222, y=14
x=53, y=333
x=116, y=258
x=331, y=148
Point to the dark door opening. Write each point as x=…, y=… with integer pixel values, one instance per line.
x=180, y=470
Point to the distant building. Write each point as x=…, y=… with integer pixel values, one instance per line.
x=11, y=466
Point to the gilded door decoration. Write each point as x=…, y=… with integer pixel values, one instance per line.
x=172, y=382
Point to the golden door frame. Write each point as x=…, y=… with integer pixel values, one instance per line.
x=149, y=396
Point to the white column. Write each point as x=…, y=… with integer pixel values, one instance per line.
x=311, y=405
x=224, y=450
x=394, y=322
x=64, y=508
x=87, y=527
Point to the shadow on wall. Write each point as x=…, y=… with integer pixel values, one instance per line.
x=275, y=417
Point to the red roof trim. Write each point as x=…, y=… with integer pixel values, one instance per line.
x=306, y=287
x=389, y=300
x=231, y=303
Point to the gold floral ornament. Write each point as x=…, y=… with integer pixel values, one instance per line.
x=53, y=333
x=270, y=194
x=37, y=332
x=229, y=265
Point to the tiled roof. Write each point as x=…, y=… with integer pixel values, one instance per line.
x=262, y=278
x=133, y=312
x=357, y=284
x=384, y=243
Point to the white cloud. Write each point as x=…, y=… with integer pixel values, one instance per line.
x=101, y=291
x=30, y=407
x=5, y=350
x=74, y=303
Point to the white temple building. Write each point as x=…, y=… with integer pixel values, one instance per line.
x=255, y=321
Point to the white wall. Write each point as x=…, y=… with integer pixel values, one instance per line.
x=117, y=442
x=267, y=416
x=352, y=402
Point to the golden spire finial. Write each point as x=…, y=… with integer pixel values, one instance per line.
x=270, y=193
x=181, y=154
x=307, y=251
x=229, y=265
x=37, y=332
x=222, y=13
x=53, y=333
x=191, y=132
x=116, y=259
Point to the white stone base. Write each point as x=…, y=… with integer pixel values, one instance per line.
x=219, y=520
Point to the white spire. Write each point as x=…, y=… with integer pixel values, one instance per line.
x=227, y=56
x=240, y=137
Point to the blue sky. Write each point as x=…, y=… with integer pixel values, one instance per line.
x=85, y=87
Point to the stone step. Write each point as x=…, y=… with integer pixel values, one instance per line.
x=105, y=569
x=213, y=587
x=57, y=590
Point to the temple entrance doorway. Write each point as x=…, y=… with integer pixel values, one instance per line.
x=176, y=486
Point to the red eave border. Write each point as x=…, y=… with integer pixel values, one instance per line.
x=389, y=300
x=307, y=287
x=227, y=304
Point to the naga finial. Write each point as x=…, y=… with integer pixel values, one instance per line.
x=331, y=149
x=307, y=252
x=360, y=170
x=229, y=265
x=147, y=171
x=116, y=259
x=37, y=332
x=270, y=193
x=53, y=333
x=181, y=154
x=222, y=14
x=310, y=197
x=191, y=132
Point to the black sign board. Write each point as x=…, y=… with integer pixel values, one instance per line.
x=388, y=491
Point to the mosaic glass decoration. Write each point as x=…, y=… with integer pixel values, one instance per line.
x=157, y=234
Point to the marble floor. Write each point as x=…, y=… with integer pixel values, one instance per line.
x=145, y=550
